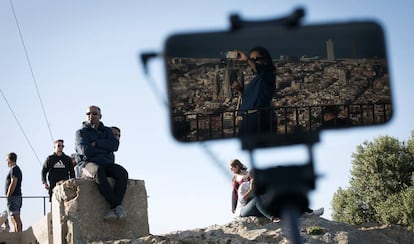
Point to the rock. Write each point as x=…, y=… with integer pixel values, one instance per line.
x=80, y=220
x=78, y=209
x=261, y=230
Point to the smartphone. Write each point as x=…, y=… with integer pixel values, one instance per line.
x=231, y=55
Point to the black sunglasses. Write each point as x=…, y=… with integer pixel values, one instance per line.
x=93, y=113
x=256, y=59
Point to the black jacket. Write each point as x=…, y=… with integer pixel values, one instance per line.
x=57, y=168
x=105, y=144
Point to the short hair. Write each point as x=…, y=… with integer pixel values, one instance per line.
x=58, y=140
x=98, y=108
x=116, y=128
x=12, y=156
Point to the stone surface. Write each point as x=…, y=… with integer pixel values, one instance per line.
x=78, y=210
x=260, y=230
x=38, y=233
x=240, y=230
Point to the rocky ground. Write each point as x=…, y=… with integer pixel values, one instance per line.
x=259, y=230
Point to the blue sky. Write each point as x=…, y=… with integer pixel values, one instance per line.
x=86, y=52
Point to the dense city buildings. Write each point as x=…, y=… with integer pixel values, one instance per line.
x=204, y=106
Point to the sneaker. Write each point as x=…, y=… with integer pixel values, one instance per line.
x=111, y=216
x=120, y=212
x=318, y=212
x=275, y=220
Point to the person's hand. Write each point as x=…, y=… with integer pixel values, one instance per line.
x=93, y=143
x=241, y=56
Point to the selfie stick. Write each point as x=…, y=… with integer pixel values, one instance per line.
x=281, y=190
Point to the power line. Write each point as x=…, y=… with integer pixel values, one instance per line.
x=20, y=126
x=216, y=160
x=151, y=82
x=31, y=69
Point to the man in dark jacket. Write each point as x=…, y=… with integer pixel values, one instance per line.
x=57, y=167
x=95, y=145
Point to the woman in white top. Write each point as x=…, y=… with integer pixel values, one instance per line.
x=247, y=204
x=239, y=171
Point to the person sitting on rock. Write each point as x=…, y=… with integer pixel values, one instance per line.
x=95, y=145
x=239, y=171
x=247, y=204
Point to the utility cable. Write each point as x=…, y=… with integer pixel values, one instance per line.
x=31, y=69
x=20, y=126
x=145, y=57
x=215, y=160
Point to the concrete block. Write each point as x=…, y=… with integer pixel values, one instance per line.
x=37, y=233
x=78, y=210
x=41, y=232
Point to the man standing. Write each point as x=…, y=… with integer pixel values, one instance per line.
x=57, y=167
x=14, y=191
x=95, y=145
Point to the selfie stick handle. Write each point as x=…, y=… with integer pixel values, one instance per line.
x=282, y=191
x=290, y=216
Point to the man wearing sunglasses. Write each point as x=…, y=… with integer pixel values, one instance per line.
x=95, y=146
x=57, y=167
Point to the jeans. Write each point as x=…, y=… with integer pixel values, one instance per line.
x=253, y=208
x=100, y=172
